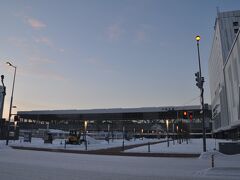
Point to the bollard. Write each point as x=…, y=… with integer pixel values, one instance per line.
x=212, y=161
x=148, y=147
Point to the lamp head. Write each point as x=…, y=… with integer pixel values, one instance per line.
x=8, y=63
x=85, y=124
x=197, y=38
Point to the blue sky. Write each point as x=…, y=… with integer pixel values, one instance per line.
x=83, y=54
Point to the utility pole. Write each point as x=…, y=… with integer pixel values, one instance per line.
x=200, y=81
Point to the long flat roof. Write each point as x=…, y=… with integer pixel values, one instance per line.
x=113, y=110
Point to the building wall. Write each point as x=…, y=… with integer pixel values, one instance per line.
x=216, y=76
x=228, y=30
x=1, y=101
x=226, y=27
x=232, y=75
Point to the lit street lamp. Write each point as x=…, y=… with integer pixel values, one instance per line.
x=177, y=134
x=85, y=134
x=200, y=81
x=11, y=101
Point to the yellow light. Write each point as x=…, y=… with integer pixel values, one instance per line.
x=85, y=124
x=15, y=125
x=198, y=38
x=184, y=113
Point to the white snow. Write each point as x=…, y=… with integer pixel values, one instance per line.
x=93, y=144
x=194, y=146
x=28, y=165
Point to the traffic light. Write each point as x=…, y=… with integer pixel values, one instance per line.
x=191, y=116
x=185, y=115
x=197, y=78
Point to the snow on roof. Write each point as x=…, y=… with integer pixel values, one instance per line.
x=112, y=110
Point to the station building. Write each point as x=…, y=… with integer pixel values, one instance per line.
x=145, y=121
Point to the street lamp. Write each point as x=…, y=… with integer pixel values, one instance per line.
x=123, y=134
x=200, y=81
x=85, y=133
x=177, y=134
x=173, y=130
x=134, y=133
x=11, y=101
x=167, y=133
x=108, y=136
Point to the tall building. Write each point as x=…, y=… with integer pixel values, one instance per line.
x=224, y=74
x=1, y=101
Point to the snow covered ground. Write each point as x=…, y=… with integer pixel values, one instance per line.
x=29, y=165
x=194, y=146
x=93, y=144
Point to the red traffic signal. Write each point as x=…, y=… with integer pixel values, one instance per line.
x=191, y=116
x=185, y=115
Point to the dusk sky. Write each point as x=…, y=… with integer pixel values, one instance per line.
x=89, y=54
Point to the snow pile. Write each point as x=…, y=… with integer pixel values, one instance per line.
x=3, y=144
x=208, y=155
x=91, y=140
x=218, y=155
x=225, y=166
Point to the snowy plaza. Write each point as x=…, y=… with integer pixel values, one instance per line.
x=120, y=90
x=28, y=165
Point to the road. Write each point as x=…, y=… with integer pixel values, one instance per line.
x=34, y=165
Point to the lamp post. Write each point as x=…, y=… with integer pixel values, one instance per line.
x=200, y=81
x=123, y=134
x=11, y=101
x=85, y=134
x=108, y=136
x=167, y=133
x=134, y=133
x=177, y=135
x=173, y=136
